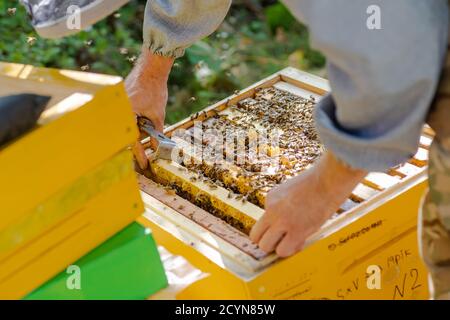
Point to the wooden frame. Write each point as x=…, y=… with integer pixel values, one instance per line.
x=370, y=193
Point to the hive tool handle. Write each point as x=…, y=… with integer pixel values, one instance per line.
x=165, y=145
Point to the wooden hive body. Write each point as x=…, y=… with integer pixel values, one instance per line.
x=68, y=184
x=385, y=204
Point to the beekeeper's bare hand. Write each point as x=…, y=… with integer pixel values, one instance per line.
x=299, y=207
x=146, y=86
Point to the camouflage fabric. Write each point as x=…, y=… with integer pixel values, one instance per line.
x=435, y=214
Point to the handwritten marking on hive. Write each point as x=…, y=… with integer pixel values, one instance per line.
x=410, y=283
x=343, y=293
x=354, y=235
x=399, y=257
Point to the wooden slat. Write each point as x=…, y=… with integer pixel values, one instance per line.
x=380, y=181
x=428, y=131
x=420, y=159
x=203, y=218
x=176, y=223
x=347, y=205
x=286, y=86
x=362, y=193
x=425, y=141
x=305, y=81
x=405, y=170
x=244, y=214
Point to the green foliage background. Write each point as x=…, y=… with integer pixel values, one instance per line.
x=256, y=39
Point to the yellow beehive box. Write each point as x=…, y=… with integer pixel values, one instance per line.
x=375, y=229
x=334, y=267
x=79, y=218
x=67, y=185
x=88, y=120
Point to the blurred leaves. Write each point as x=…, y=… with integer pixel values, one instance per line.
x=278, y=16
x=256, y=40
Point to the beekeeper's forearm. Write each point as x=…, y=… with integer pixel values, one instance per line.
x=382, y=80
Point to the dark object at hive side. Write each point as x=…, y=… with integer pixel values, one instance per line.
x=18, y=114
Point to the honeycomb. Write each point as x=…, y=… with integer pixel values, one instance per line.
x=259, y=142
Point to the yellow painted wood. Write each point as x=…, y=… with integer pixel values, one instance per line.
x=56, y=154
x=64, y=203
x=59, y=84
x=331, y=268
x=335, y=267
x=53, y=251
x=226, y=284
x=68, y=184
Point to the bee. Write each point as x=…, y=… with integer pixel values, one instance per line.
x=31, y=40
x=170, y=191
x=132, y=59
